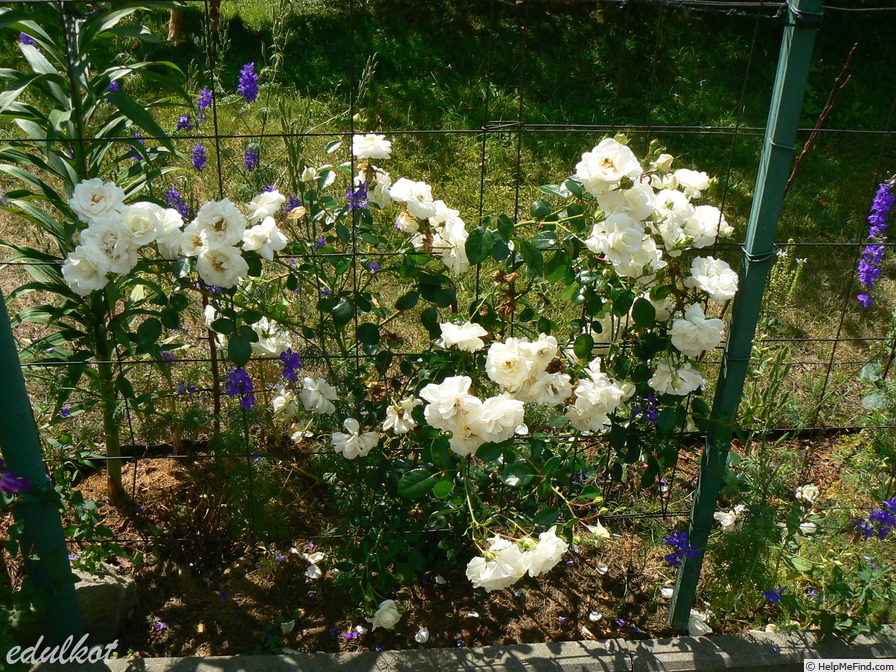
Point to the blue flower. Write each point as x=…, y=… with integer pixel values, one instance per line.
x=173, y=199
x=374, y=267
x=10, y=483
x=681, y=548
x=292, y=362
x=26, y=39
x=247, y=85
x=198, y=156
x=65, y=411
x=183, y=123
x=291, y=203
x=774, y=594
x=239, y=383
x=205, y=98
x=873, y=254
x=250, y=158
x=357, y=199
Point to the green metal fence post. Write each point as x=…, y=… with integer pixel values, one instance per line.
x=42, y=537
x=804, y=17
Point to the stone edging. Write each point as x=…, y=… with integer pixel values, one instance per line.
x=778, y=652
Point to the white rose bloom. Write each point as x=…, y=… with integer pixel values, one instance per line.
x=192, y=240
x=209, y=315
x=378, y=187
x=643, y=264
x=726, y=519
x=692, y=181
x=85, y=270
x=285, y=404
x=222, y=266
x=596, y=398
x=353, y=443
x=266, y=204
x=695, y=334
x=546, y=554
x=265, y=238
x=501, y=565
x=309, y=174
x=318, y=396
x=697, y=624
x=407, y=224
x=467, y=337
x=445, y=400
x=669, y=379
x=663, y=307
x=95, y=198
x=549, y=389
x=272, y=339
x=417, y=197
x=422, y=636
x=220, y=222
x=541, y=351
x=508, y=364
x=498, y=418
x=663, y=163
x=399, y=418
x=638, y=202
x=371, y=146
x=169, y=234
x=617, y=238
x=714, y=277
x=110, y=238
x=142, y=220
x=386, y=616
x=606, y=165
x=706, y=224
x=807, y=493
x=808, y=527
x=450, y=238
x=464, y=438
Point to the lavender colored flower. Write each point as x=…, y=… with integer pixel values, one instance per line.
x=10, y=483
x=291, y=203
x=292, y=362
x=239, y=383
x=173, y=199
x=158, y=626
x=357, y=199
x=168, y=357
x=113, y=87
x=320, y=242
x=326, y=292
x=250, y=158
x=65, y=411
x=681, y=548
x=186, y=388
x=136, y=155
x=183, y=123
x=880, y=523
x=205, y=98
x=774, y=594
x=374, y=267
x=647, y=410
x=199, y=156
x=26, y=39
x=247, y=85
x=872, y=256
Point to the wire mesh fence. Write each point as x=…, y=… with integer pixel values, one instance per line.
x=488, y=96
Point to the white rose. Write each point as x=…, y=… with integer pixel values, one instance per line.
x=169, y=236
x=618, y=237
x=549, y=389
x=663, y=163
x=695, y=334
x=309, y=174
x=417, y=197
x=606, y=165
x=639, y=202
x=546, y=554
x=399, y=416
x=353, y=443
x=386, y=616
x=265, y=238
x=371, y=146
x=110, y=238
x=272, y=339
x=498, y=418
x=284, y=403
x=807, y=493
x=222, y=266
x=697, y=624
x=500, y=566
x=692, y=181
x=508, y=364
x=669, y=379
x=85, y=270
x=705, y=225
x=407, y=224
x=541, y=351
x=143, y=220
x=266, y=204
x=318, y=396
x=467, y=337
x=714, y=277
x=220, y=222
x=378, y=187
x=192, y=240
x=95, y=198
x=445, y=399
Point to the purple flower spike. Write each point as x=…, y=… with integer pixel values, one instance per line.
x=26, y=39
x=239, y=383
x=357, y=199
x=184, y=124
x=774, y=594
x=681, y=548
x=250, y=158
x=247, y=85
x=199, y=156
x=205, y=98
x=872, y=256
x=173, y=199
x=292, y=362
